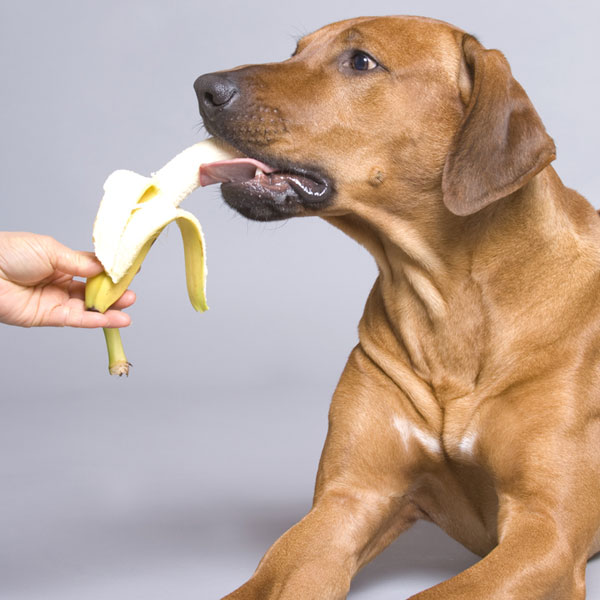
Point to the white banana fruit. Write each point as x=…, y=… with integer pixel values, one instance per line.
x=133, y=212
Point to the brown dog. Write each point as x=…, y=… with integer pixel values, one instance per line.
x=473, y=397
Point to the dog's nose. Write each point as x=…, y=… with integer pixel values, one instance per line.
x=215, y=93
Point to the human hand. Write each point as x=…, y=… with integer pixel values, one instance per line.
x=37, y=287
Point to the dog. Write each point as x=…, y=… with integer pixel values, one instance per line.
x=472, y=399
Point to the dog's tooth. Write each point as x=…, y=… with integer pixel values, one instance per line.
x=259, y=172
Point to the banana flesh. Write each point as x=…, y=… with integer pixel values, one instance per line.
x=134, y=211
x=134, y=205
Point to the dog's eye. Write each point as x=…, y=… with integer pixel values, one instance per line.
x=360, y=61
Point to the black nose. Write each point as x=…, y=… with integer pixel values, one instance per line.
x=215, y=92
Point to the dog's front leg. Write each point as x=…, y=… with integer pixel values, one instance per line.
x=362, y=497
x=534, y=561
x=545, y=469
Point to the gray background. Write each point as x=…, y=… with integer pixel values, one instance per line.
x=172, y=483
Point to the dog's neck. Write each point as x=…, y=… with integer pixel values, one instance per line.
x=447, y=284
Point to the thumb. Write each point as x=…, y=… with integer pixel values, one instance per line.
x=75, y=262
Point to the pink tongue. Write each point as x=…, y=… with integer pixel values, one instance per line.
x=236, y=170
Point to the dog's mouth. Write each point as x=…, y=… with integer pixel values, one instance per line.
x=267, y=190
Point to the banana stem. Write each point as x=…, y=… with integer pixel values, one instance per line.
x=117, y=361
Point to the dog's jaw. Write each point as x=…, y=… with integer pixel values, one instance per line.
x=286, y=188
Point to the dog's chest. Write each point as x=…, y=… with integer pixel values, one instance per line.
x=458, y=440
x=461, y=432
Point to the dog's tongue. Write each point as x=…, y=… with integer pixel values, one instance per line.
x=235, y=170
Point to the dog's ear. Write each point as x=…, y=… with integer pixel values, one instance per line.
x=501, y=143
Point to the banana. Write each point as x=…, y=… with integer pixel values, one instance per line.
x=133, y=212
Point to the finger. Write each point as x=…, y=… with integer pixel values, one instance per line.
x=91, y=319
x=73, y=262
x=88, y=319
x=74, y=314
x=116, y=318
x=126, y=300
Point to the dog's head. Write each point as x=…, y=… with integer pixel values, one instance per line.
x=372, y=110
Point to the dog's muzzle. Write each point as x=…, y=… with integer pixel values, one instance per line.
x=277, y=188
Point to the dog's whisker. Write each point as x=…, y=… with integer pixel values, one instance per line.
x=199, y=127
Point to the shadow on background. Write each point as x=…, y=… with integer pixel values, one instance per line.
x=424, y=552
x=102, y=545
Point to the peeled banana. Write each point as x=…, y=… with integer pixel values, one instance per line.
x=133, y=212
